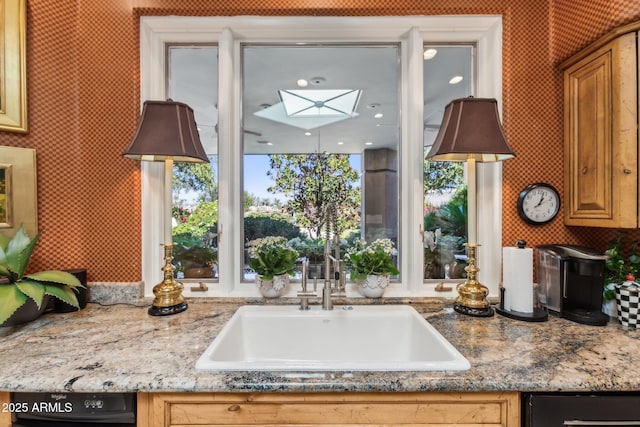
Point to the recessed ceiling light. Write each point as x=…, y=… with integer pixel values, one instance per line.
x=378, y=115
x=368, y=143
x=455, y=80
x=302, y=83
x=340, y=142
x=307, y=133
x=429, y=54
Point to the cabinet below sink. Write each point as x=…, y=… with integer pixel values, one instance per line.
x=418, y=409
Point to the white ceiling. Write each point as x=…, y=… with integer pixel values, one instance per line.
x=374, y=69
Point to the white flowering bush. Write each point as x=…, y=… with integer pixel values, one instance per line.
x=375, y=258
x=271, y=256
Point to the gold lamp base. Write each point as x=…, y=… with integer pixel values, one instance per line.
x=168, y=293
x=472, y=295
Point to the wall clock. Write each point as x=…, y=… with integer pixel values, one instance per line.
x=539, y=203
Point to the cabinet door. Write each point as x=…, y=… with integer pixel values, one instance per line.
x=5, y=414
x=326, y=409
x=600, y=109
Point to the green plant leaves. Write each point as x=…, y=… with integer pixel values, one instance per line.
x=32, y=289
x=374, y=258
x=11, y=299
x=63, y=293
x=618, y=265
x=271, y=256
x=14, y=258
x=55, y=276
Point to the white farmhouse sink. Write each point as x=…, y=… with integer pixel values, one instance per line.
x=360, y=338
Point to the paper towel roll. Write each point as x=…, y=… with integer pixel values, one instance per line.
x=517, y=279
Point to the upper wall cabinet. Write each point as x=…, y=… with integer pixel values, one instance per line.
x=601, y=132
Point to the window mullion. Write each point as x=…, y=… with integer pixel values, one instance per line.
x=412, y=154
x=229, y=169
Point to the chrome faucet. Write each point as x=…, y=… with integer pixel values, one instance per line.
x=334, y=277
x=304, y=294
x=334, y=281
x=334, y=287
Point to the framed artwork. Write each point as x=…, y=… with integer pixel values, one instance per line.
x=18, y=193
x=13, y=66
x=6, y=211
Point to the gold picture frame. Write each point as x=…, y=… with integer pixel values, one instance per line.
x=18, y=191
x=13, y=66
x=6, y=194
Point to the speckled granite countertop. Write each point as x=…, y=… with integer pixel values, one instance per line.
x=121, y=348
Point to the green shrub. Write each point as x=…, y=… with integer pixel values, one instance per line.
x=258, y=225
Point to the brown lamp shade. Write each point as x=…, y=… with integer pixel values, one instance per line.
x=167, y=130
x=471, y=129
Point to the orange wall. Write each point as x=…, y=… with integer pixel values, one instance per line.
x=83, y=106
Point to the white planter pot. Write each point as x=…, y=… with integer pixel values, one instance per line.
x=610, y=308
x=373, y=286
x=273, y=288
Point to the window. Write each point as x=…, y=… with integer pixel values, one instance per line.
x=192, y=79
x=232, y=35
x=448, y=75
x=321, y=142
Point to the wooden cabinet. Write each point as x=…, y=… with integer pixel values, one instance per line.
x=5, y=415
x=600, y=132
x=314, y=409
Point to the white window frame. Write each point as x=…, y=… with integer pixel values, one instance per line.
x=411, y=32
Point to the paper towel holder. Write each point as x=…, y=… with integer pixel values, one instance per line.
x=539, y=314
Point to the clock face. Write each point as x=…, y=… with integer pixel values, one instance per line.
x=538, y=203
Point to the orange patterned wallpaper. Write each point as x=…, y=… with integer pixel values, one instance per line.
x=83, y=106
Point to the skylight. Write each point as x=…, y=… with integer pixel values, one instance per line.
x=319, y=102
x=312, y=108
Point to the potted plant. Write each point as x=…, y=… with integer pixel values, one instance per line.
x=618, y=267
x=371, y=265
x=23, y=297
x=196, y=261
x=273, y=260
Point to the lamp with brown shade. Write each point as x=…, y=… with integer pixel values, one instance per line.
x=471, y=132
x=166, y=133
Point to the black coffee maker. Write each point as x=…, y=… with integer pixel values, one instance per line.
x=571, y=282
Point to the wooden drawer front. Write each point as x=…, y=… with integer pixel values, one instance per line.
x=310, y=414
x=423, y=409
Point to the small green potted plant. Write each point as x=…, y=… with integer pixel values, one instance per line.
x=273, y=261
x=196, y=261
x=23, y=297
x=371, y=265
x=618, y=266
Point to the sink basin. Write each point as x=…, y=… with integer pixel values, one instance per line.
x=355, y=338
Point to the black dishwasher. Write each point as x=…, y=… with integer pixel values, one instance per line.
x=73, y=409
x=586, y=409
